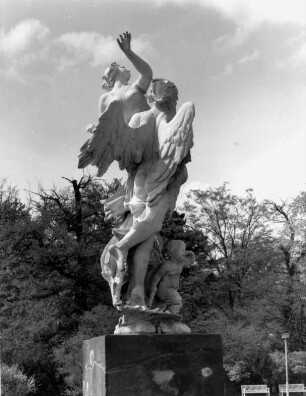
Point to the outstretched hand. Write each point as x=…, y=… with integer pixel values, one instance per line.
x=125, y=41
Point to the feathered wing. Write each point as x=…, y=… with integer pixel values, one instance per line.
x=175, y=139
x=112, y=139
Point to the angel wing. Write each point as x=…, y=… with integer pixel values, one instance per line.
x=175, y=139
x=112, y=139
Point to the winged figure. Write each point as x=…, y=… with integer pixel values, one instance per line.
x=154, y=148
x=150, y=139
x=153, y=145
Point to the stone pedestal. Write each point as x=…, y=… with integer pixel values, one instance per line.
x=153, y=365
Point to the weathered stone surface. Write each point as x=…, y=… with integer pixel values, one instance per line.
x=153, y=365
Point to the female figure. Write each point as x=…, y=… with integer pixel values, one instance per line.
x=116, y=82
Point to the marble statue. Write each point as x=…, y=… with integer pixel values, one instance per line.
x=116, y=78
x=152, y=143
x=165, y=282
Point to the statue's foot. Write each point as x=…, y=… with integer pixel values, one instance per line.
x=117, y=302
x=136, y=307
x=116, y=286
x=144, y=327
x=137, y=313
x=120, y=255
x=173, y=327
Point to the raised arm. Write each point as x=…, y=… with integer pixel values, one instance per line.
x=144, y=80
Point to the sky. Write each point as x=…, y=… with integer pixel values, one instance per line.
x=242, y=63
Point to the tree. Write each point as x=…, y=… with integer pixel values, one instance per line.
x=239, y=239
x=14, y=382
x=68, y=355
x=248, y=281
x=51, y=275
x=296, y=366
x=176, y=227
x=287, y=301
x=241, y=296
x=291, y=220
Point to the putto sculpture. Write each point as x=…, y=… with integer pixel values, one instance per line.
x=163, y=288
x=152, y=143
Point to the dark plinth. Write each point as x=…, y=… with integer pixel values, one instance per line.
x=153, y=365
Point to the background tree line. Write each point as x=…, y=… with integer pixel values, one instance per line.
x=247, y=284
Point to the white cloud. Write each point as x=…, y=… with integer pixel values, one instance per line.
x=96, y=49
x=230, y=67
x=227, y=71
x=89, y=47
x=29, y=47
x=297, y=59
x=24, y=45
x=276, y=172
x=252, y=12
x=248, y=15
x=64, y=64
x=255, y=12
x=22, y=37
x=249, y=58
x=296, y=47
x=234, y=39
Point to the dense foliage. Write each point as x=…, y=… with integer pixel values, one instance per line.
x=257, y=258
x=14, y=382
x=248, y=282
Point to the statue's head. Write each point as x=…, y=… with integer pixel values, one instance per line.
x=114, y=73
x=163, y=91
x=176, y=249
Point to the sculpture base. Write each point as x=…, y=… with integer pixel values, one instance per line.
x=138, y=321
x=153, y=365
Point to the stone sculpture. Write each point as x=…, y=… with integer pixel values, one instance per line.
x=165, y=282
x=153, y=145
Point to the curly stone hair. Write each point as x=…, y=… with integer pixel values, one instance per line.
x=110, y=76
x=164, y=91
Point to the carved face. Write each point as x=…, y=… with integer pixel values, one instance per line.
x=123, y=75
x=114, y=73
x=177, y=249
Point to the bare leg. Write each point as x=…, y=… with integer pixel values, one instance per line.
x=120, y=255
x=171, y=300
x=140, y=232
x=141, y=259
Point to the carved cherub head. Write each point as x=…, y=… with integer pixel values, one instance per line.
x=163, y=91
x=176, y=250
x=112, y=73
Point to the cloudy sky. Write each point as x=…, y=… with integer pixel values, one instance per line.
x=242, y=62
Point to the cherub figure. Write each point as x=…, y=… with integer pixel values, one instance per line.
x=165, y=283
x=153, y=147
